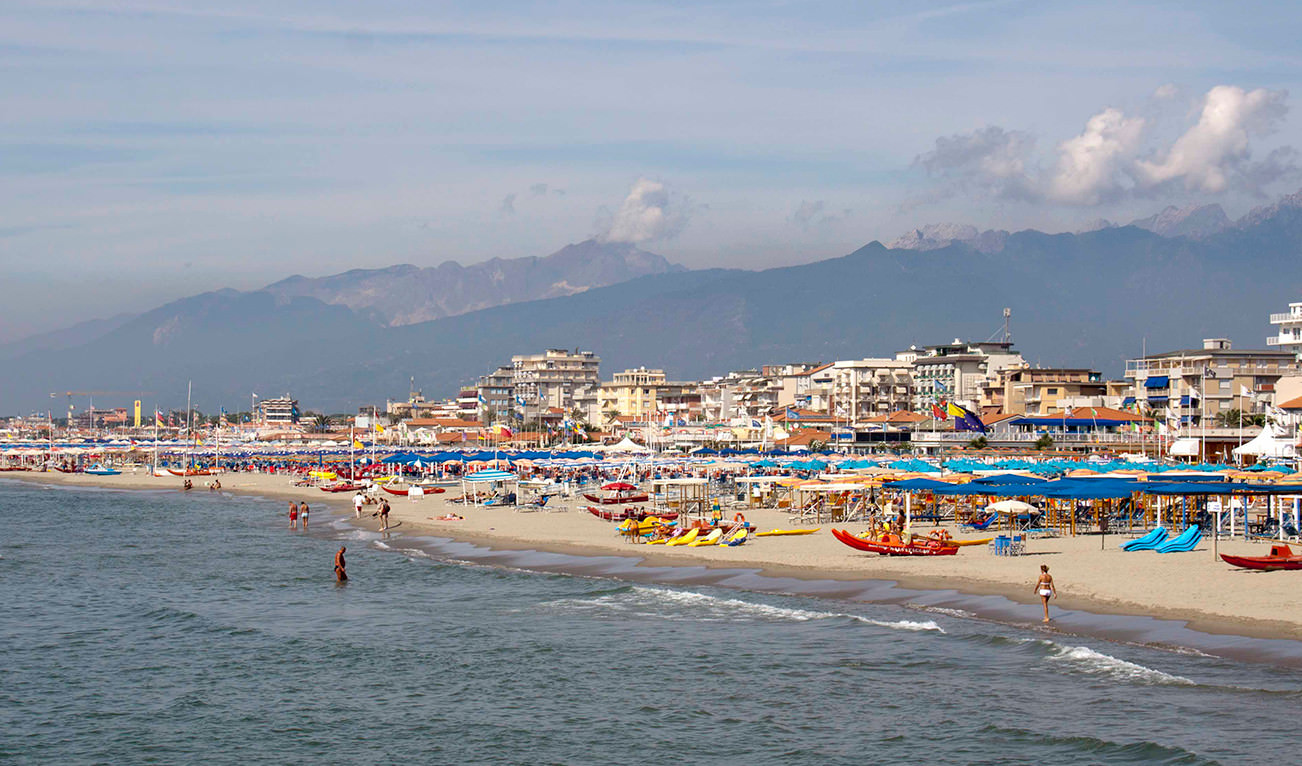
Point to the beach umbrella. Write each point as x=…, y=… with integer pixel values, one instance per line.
x=618, y=486
x=1011, y=506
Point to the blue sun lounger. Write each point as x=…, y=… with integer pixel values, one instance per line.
x=1184, y=543
x=1148, y=542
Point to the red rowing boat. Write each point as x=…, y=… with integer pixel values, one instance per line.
x=342, y=488
x=629, y=513
x=191, y=472
x=617, y=499
x=1281, y=557
x=893, y=546
x=403, y=492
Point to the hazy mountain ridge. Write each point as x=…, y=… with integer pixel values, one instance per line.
x=1078, y=299
x=1192, y=221
x=407, y=294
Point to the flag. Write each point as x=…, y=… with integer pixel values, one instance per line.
x=482, y=401
x=224, y=421
x=965, y=419
x=171, y=419
x=358, y=445
x=1243, y=391
x=792, y=414
x=158, y=418
x=379, y=429
x=502, y=431
x=938, y=413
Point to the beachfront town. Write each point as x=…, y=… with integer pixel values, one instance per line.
x=1208, y=401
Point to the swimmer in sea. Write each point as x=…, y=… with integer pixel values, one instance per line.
x=341, y=575
x=1045, y=589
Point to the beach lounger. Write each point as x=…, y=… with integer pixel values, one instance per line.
x=1148, y=542
x=1186, y=542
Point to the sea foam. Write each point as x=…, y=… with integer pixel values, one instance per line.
x=1090, y=661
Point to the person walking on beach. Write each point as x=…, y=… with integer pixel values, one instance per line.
x=1044, y=587
x=341, y=574
x=302, y=511
x=384, y=515
x=358, y=500
x=293, y=515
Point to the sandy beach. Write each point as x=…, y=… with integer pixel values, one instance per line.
x=1092, y=574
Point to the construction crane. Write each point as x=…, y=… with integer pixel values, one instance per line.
x=71, y=394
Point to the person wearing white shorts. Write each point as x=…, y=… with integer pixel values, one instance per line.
x=1044, y=588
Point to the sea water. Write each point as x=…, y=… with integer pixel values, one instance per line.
x=170, y=627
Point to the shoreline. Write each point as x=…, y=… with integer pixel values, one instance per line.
x=824, y=566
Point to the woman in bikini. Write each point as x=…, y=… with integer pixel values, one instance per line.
x=1044, y=587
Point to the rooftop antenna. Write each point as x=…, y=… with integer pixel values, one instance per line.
x=1006, y=331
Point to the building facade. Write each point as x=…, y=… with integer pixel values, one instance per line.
x=958, y=371
x=1039, y=391
x=1288, y=336
x=1184, y=387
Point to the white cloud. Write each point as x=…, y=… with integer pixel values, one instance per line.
x=1090, y=166
x=1216, y=151
x=992, y=160
x=1166, y=92
x=650, y=212
x=1103, y=164
x=814, y=213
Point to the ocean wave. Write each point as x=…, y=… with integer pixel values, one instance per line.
x=699, y=606
x=1070, y=748
x=1088, y=660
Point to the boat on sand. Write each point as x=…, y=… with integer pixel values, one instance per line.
x=1281, y=557
x=620, y=492
x=893, y=545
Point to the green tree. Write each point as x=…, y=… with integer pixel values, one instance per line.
x=979, y=443
x=1236, y=418
x=1044, y=442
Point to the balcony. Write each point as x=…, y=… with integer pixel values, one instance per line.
x=1287, y=316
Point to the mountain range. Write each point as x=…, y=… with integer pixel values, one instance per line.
x=1085, y=299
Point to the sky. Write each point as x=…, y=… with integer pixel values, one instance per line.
x=153, y=150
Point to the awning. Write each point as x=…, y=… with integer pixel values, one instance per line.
x=1157, y=381
x=1187, y=400
x=1129, y=400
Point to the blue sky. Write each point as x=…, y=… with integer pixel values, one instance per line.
x=151, y=150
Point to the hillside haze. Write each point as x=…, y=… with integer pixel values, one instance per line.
x=1088, y=299
x=406, y=294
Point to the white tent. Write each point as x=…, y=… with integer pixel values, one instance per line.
x=1268, y=443
x=626, y=445
x=1185, y=447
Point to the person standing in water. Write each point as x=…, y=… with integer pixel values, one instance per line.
x=293, y=515
x=1044, y=588
x=302, y=511
x=384, y=515
x=341, y=574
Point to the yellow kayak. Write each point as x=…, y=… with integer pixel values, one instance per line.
x=686, y=539
x=979, y=541
x=736, y=538
x=710, y=539
x=779, y=532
